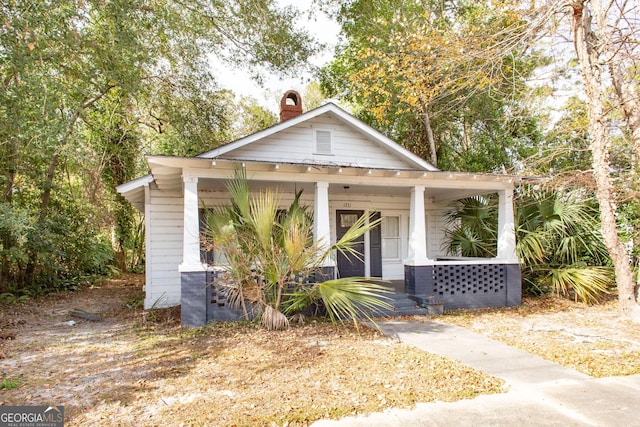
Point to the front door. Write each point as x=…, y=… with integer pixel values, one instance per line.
x=351, y=266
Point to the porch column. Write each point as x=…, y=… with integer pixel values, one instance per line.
x=191, y=230
x=417, y=230
x=418, y=269
x=193, y=273
x=506, y=228
x=321, y=228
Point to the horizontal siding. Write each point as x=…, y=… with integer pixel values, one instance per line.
x=164, y=253
x=291, y=145
x=167, y=281
x=164, y=214
x=297, y=145
x=163, y=202
x=163, y=296
x=165, y=241
x=166, y=209
x=437, y=225
x=359, y=151
x=169, y=225
x=393, y=270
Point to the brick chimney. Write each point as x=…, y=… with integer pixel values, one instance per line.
x=290, y=105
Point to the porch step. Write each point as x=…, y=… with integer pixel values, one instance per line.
x=401, y=301
x=402, y=306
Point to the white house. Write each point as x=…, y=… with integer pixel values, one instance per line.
x=345, y=169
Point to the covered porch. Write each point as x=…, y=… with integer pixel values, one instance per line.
x=409, y=248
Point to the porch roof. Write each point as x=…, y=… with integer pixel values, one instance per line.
x=167, y=174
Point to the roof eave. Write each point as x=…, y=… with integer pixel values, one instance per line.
x=134, y=184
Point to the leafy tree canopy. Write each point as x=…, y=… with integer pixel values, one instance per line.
x=441, y=77
x=87, y=87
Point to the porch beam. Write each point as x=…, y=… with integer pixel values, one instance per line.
x=506, y=227
x=191, y=227
x=376, y=178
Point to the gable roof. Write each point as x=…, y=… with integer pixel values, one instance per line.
x=333, y=110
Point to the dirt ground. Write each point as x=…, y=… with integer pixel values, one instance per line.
x=136, y=367
x=133, y=367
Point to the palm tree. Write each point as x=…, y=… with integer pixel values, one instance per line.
x=473, y=228
x=561, y=246
x=271, y=258
x=558, y=241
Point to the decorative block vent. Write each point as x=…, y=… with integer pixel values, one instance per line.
x=468, y=279
x=219, y=297
x=218, y=302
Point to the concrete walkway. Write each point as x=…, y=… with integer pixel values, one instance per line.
x=540, y=393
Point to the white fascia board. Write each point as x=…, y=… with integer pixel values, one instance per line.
x=176, y=162
x=134, y=184
x=205, y=166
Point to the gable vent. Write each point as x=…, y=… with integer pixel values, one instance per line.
x=323, y=142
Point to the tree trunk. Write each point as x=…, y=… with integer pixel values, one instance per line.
x=628, y=99
x=51, y=173
x=48, y=186
x=8, y=241
x=430, y=138
x=44, y=208
x=588, y=57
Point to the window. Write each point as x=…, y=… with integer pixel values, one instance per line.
x=390, y=231
x=347, y=220
x=323, y=142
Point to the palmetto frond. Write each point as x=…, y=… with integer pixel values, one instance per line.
x=353, y=295
x=263, y=209
x=465, y=241
x=271, y=254
x=346, y=298
x=588, y=283
x=238, y=187
x=532, y=246
x=473, y=228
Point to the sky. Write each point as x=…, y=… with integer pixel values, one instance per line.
x=321, y=27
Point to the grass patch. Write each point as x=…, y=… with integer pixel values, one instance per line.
x=9, y=384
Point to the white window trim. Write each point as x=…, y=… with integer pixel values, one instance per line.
x=398, y=238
